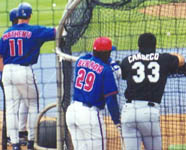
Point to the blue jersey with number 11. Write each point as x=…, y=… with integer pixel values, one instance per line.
x=94, y=81
x=21, y=43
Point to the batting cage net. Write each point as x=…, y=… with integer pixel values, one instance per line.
x=45, y=13
x=81, y=22
x=123, y=21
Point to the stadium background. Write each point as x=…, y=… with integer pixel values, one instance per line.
x=165, y=21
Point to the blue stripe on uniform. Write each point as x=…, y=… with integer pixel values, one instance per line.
x=101, y=130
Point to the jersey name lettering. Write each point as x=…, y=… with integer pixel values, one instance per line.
x=92, y=65
x=147, y=57
x=17, y=34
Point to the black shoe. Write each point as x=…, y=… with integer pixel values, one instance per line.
x=30, y=145
x=16, y=146
x=23, y=137
x=23, y=133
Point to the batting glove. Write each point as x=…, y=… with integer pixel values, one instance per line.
x=116, y=68
x=119, y=127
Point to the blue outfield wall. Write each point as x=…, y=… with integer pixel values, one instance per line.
x=173, y=101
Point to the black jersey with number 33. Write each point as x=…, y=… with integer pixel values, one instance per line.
x=146, y=75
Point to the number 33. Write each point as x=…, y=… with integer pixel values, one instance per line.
x=140, y=67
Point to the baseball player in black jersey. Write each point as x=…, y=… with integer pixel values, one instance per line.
x=146, y=73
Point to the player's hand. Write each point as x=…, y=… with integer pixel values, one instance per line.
x=182, y=70
x=181, y=59
x=118, y=126
x=116, y=68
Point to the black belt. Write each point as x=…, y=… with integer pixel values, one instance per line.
x=24, y=64
x=84, y=104
x=149, y=103
x=87, y=105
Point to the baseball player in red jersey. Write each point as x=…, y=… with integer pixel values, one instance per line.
x=146, y=73
x=94, y=86
x=20, y=50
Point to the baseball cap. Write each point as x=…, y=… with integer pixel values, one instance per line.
x=24, y=10
x=13, y=14
x=103, y=44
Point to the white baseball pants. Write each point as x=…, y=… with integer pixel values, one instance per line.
x=141, y=123
x=86, y=127
x=19, y=85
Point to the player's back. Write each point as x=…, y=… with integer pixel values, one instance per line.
x=22, y=42
x=90, y=78
x=146, y=75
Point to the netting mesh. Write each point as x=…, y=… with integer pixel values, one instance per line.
x=123, y=24
x=47, y=13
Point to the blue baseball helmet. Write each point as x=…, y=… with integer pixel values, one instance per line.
x=13, y=15
x=24, y=10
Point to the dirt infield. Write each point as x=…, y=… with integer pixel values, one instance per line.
x=176, y=10
x=173, y=132
x=23, y=147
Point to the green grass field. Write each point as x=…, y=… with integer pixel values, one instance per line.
x=123, y=26
x=44, y=13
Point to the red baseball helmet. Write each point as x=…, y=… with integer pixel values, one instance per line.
x=102, y=44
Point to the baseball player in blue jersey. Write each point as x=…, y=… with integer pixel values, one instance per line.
x=23, y=110
x=146, y=73
x=20, y=50
x=94, y=86
x=13, y=16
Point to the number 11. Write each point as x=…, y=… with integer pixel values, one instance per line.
x=12, y=47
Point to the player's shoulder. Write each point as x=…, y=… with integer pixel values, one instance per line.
x=86, y=56
x=41, y=27
x=29, y=26
x=107, y=70
x=36, y=30
x=125, y=59
x=23, y=26
x=107, y=67
x=9, y=29
x=166, y=56
x=33, y=27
